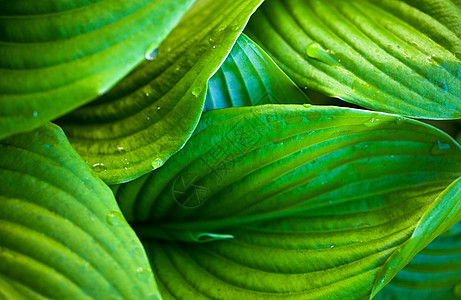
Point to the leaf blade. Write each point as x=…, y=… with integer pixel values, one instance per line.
x=63, y=236
x=376, y=54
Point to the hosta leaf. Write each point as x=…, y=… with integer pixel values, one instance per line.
x=249, y=77
x=395, y=56
x=149, y=115
x=310, y=202
x=435, y=273
x=62, y=235
x=58, y=55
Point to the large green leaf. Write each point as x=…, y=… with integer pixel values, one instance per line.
x=57, y=55
x=150, y=114
x=249, y=77
x=395, y=56
x=62, y=235
x=435, y=273
x=309, y=202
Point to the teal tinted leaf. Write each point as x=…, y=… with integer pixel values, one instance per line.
x=62, y=235
x=249, y=77
x=400, y=57
x=58, y=55
x=316, y=198
x=434, y=273
x=149, y=115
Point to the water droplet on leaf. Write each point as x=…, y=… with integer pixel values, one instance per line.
x=151, y=54
x=316, y=51
x=293, y=119
x=440, y=148
x=142, y=274
x=120, y=151
x=99, y=167
x=196, y=91
x=114, y=218
x=307, y=105
x=35, y=114
x=442, y=85
x=157, y=163
x=314, y=116
x=373, y=121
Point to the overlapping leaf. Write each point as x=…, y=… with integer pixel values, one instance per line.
x=58, y=55
x=62, y=235
x=435, y=273
x=150, y=115
x=311, y=202
x=395, y=56
x=249, y=77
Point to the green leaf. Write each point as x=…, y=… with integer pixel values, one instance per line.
x=62, y=235
x=316, y=198
x=58, y=55
x=435, y=273
x=250, y=77
x=150, y=115
x=400, y=57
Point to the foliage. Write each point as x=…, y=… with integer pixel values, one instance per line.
x=190, y=155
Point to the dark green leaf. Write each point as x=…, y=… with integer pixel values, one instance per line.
x=149, y=115
x=62, y=235
x=58, y=55
x=317, y=199
x=249, y=77
x=395, y=56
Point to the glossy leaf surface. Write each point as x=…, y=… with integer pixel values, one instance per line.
x=435, y=273
x=310, y=202
x=62, y=235
x=400, y=57
x=151, y=113
x=249, y=77
x=57, y=55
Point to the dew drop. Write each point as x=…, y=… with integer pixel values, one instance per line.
x=275, y=125
x=305, y=105
x=399, y=120
x=35, y=114
x=332, y=246
x=235, y=28
x=293, y=119
x=158, y=107
x=314, y=116
x=142, y=274
x=442, y=85
x=99, y=167
x=114, y=218
x=432, y=59
x=214, y=47
x=157, y=163
x=196, y=91
x=440, y=148
x=120, y=151
x=316, y=51
x=373, y=121
x=151, y=54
